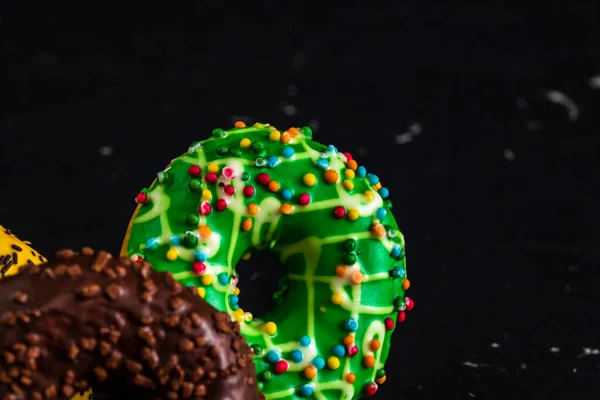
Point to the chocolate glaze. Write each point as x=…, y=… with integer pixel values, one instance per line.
x=85, y=318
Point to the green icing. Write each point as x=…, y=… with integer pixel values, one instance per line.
x=310, y=242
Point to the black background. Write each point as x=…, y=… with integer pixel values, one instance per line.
x=495, y=188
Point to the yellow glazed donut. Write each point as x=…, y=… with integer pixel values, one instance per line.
x=15, y=254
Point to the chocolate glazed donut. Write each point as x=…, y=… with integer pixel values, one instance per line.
x=86, y=319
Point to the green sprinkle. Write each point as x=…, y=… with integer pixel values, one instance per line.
x=163, y=177
x=190, y=240
x=218, y=133
x=307, y=131
x=398, y=302
x=192, y=220
x=380, y=373
x=266, y=376
x=349, y=258
x=236, y=152
x=257, y=349
x=195, y=185
x=258, y=147
x=222, y=150
x=350, y=244
x=245, y=176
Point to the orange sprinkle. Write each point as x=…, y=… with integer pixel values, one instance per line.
x=239, y=124
x=405, y=284
x=252, y=208
x=349, y=340
x=273, y=186
x=310, y=372
x=357, y=277
x=374, y=345
x=330, y=176
x=350, y=377
x=247, y=224
x=378, y=230
x=369, y=361
x=352, y=164
x=340, y=270
x=381, y=380
x=285, y=137
x=294, y=131
x=205, y=231
x=285, y=209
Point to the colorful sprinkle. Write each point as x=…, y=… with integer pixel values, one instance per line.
x=374, y=345
x=304, y=199
x=318, y=362
x=273, y=186
x=352, y=350
x=306, y=390
x=349, y=258
x=229, y=190
x=285, y=137
x=405, y=284
x=247, y=224
x=223, y=278
x=339, y=212
x=348, y=184
x=204, y=209
x=380, y=213
x=309, y=179
x=370, y=388
x=353, y=214
x=245, y=143
x=337, y=298
x=206, y=195
x=275, y=135
x=351, y=325
x=248, y=191
x=389, y=324
x=190, y=240
x=211, y=177
x=398, y=272
x=353, y=165
x=330, y=176
x=378, y=230
x=199, y=267
x=296, y=356
x=331, y=149
x=396, y=251
x=213, y=167
x=333, y=362
x=172, y=254
x=221, y=205
x=270, y=328
x=339, y=351
x=201, y=292
x=287, y=152
x=369, y=196
x=310, y=372
x=194, y=171
x=350, y=377
x=273, y=356
x=204, y=231
x=285, y=209
x=252, y=208
x=192, y=219
x=373, y=179
x=200, y=256
x=263, y=179
x=207, y=279
x=361, y=172
x=272, y=161
x=286, y=194
x=305, y=341
x=384, y=193
x=239, y=124
x=401, y=316
x=348, y=173
x=323, y=163
x=350, y=244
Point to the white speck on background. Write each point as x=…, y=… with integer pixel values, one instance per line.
x=494, y=345
x=292, y=90
x=509, y=155
x=404, y=138
x=471, y=394
x=413, y=130
x=106, y=151
x=588, y=351
x=470, y=364
x=560, y=98
x=362, y=151
x=574, y=370
x=554, y=349
x=523, y=366
x=595, y=82
x=290, y=110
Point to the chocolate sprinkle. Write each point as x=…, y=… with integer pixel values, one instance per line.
x=130, y=326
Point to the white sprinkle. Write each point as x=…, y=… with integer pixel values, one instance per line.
x=292, y=90
x=289, y=110
x=588, y=351
x=299, y=60
x=404, y=138
x=523, y=366
x=362, y=151
x=595, y=82
x=521, y=102
x=415, y=128
x=554, y=349
x=560, y=98
x=574, y=370
x=470, y=364
x=106, y=151
x=509, y=154
x=494, y=345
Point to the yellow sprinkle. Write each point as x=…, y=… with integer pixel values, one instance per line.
x=349, y=173
x=369, y=195
x=310, y=372
x=206, y=195
x=201, y=292
x=275, y=135
x=248, y=316
x=353, y=214
x=378, y=186
x=207, y=279
x=205, y=231
x=337, y=298
x=348, y=184
x=285, y=137
x=270, y=328
x=252, y=208
x=236, y=291
x=273, y=186
x=238, y=315
x=247, y=224
x=246, y=256
x=333, y=362
x=245, y=143
x=309, y=179
x=285, y=209
x=213, y=167
x=172, y=254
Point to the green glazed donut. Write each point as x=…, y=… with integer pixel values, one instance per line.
x=328, y=220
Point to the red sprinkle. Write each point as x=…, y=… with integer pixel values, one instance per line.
x=371, y=388
x=141, y=198
x=304, y=199
x=352, y=350
x=348, y=156
x=199, y=267
x=194, y=171
x=389, y=324
x=410, y=304
x=205, y=208
x=339, y=212
x=229, y=190
x=211, y=177
x=281, y=366
x=248, y=191
x=263, y=179
x=401, y=316
x=221, y=205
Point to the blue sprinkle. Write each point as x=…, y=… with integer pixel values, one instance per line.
x=305, y=390
x=318, y=362
x=398, y=272
x=361, y=172
x=152, y=243
x=322, y=163
x=175, y=240
x=373, y=179
x=234, y=300
x=331, y=149
x=339, y=351
x=235, y=306
x=287, y=152
x=273, y=356
x=305, y=341
x=296, y=356
x=351, y=325
x=223, y=278
x=384, y=192
x=380, y=213
x=286, y=194
x=396, y=251
x=200, y=256
x=272, y=161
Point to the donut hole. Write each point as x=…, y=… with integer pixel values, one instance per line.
x=261, y=279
